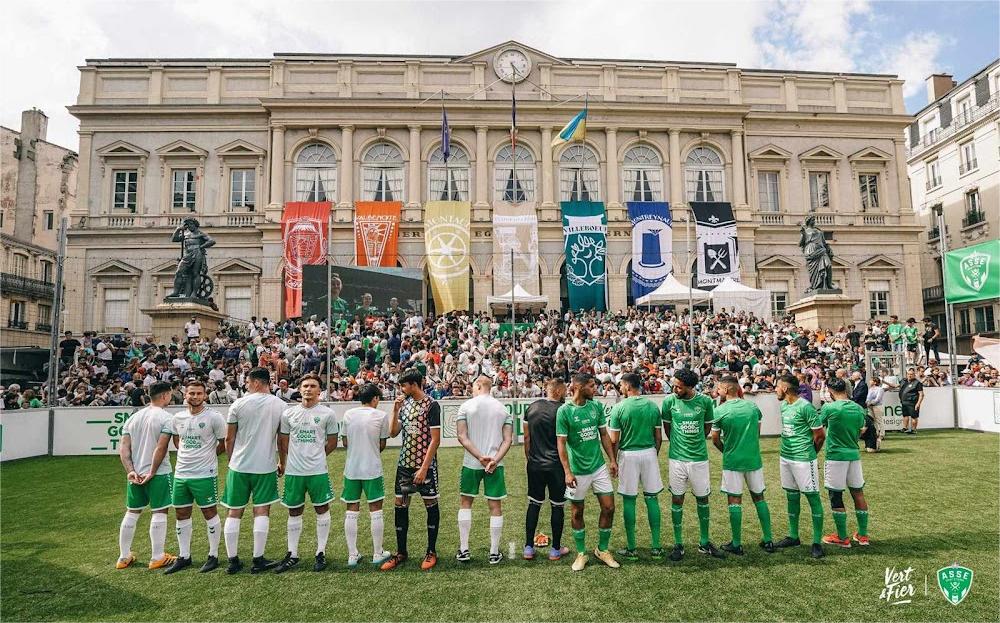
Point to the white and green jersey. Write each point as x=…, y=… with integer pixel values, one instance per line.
x=256, y=417
x=364, y=428
x=144, y=428
x=198, y=437
x=307, y=429
x=485, y=417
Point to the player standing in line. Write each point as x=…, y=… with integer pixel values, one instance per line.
x=485, y=429
x=736, y=433
x=687, y=419
x=363, y=433
x=635, y=436
x=581, y=433
x=418, y=416
x=307, y=434
x=148, y=482
x=544, y=469
x=845, y=423
x=199, y=434
x=801, y=436
x=252, y=428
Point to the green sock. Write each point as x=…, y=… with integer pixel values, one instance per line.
x=703, y=523
x=840, y=519
x=764, y=515
x=653, y=514
x=816, y=506
x=580, y=538
x=794, y=508
x=628, y=502
x=603, y=538
x=736, y=523
x=862, y=522
x=677, y=517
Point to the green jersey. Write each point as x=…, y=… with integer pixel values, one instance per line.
x=687, y=420
x=895, y=332
x=636, y=418
x=739, y=421
x=339, y=307
x=910, y=333
x=797, y=421
x=581, y=428
x=844, y=420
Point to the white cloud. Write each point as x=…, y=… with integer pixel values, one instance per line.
x=821, y=35
x=913, y=59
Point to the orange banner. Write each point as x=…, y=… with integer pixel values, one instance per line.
x=376, y=232
x=304, y=238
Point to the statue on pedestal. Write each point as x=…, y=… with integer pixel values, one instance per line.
x=819, y=258
x=191, y=281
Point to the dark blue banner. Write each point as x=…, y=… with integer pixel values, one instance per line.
x=652, y=245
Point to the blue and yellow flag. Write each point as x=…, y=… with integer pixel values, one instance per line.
x=575, y=130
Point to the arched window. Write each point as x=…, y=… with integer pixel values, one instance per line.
x=514, y=183
x=382, y=173
x=705, y=175
x=316, y=173
x=579, y=174
x=643, y=174
x=449, y=181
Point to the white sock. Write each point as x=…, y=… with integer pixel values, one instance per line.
x=496, y=531
x=322, y=531
x=378, y=529
x=294, y=532
x=184, y=529
x=351, y=532
x=157, y=534
x=232, y=532
x=261, y=525
x=464, y=527
x=126, y=533
x=213, y=527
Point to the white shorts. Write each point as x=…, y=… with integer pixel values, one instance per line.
x=799, y=475
x=732, y=482
x=695, y=472
x=599, y=481
x=635, y=466
x=838, y=475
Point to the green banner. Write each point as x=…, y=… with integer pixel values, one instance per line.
x=521, y=327
x=973, y=273
x=585, y=228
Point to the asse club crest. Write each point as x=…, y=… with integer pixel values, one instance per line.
x=975, y=268
x=955, y=582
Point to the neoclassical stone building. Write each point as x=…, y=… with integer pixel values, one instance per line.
x=232, y=140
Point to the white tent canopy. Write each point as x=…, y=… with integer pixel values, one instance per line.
x=737, y=297
x=673, y=291
x=519, y=297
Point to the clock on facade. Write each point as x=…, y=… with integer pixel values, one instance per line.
x=511, y=65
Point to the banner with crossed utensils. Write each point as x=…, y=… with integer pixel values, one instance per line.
x=718, y=248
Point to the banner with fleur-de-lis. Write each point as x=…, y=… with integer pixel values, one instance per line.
x=585, y=228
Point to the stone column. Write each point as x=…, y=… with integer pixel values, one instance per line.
x=902, y=181
x=481, y=207
x=739, y=177
x=83, y=203
x=277, y=182
x=345, y=201
x=617, y=293
x=616, y=211
x=549, y=207
x=482, y=287
x=676, y=176
x=550, y=288
x=413, y=177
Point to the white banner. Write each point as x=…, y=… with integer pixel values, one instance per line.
x=23, y=433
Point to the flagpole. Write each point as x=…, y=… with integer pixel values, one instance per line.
x=687, y=235
x=513, y=146
x=513, y=328
x=329, y=303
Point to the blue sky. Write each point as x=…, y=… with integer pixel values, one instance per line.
x=44, y=42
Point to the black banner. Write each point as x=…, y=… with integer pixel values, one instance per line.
x=718, y=249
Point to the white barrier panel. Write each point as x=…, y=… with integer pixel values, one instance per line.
x=979, y=409
x=23, y=433
x=938, y=409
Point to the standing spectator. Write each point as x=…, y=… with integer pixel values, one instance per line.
x=876, y=428
x=860, y=392
x=192, y=329
x=930, y=338
x=911, y=396
x=910, y=335
x=895, y=332
x=67, y=348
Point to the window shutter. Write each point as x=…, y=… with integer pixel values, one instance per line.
x=945, y=113
x=914, y=134
x=982, y=91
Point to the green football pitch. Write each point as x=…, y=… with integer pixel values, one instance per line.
x=933, y=498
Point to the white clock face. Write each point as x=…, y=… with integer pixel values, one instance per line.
x=511, y=65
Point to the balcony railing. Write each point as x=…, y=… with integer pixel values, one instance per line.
x=16, y=284
x=771, y=218
x=17, y=324
x=134, y=221
x=958, y=122
x=933, y=293
x=934, y=233
x=965, y=167
x=973, y=218
x=934, y=182
x=43, y=326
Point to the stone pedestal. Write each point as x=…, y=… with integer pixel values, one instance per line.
x=168, y=319
x=824, y=310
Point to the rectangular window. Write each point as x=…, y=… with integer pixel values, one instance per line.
x=20, y=265
x=315, y=184
x=964, y=109
x=642, y=184
x=973, y=209
x=878, y=298
x=767, y=191
x=183, y=190
x=514, y=185
x=779, y=301
x=238, y=302
x=116, y=304
x=704, y=185
x=382, y=183
x=579, y=184
x=49, y=217
x=930, y=130
x=449, y=184
x=868, y=185
x=46, y=271
x=967, y=158
x=18, y=315
x=964, y=325
x=984, y=319
x=125, y=191
x=933, y=174
x=819, y=191
x=242, y=190
x=45, y=315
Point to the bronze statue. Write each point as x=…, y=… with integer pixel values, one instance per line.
x=819, y=257
x=191, y=281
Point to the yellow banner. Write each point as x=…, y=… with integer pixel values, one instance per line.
x=447, y=245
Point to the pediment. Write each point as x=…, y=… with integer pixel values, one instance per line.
x=870, y=154
x=239, y=148
x=821, y=152
x=122, y=149
x=181, y=148
x=166, y=268
x=778, y=261
x=487, y=54
x=115, y=268
x=839, y=263
x=771, y=152
x=236, y=266
x=880, y=261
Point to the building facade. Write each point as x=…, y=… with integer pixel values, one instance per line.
x=954, y=162
x=37, y=190
x=232, y=140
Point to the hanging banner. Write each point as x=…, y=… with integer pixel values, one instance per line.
x=718, y=251
x=652, y=245
x=376, y=232
x=973, y=273
x=585, y=228
x=446, y=243
x=303, y=236
x=515, y=238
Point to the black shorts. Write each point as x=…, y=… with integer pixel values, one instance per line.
x=428, y=490
x=911, y=347
x=910, y=411
x=553, y=479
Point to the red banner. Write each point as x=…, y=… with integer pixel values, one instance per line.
x=376, y=232
x=304, y=239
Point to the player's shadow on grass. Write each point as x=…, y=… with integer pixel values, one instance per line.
x=893, y=450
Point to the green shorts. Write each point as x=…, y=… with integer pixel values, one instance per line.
x=241, y=485
x=373, y=488
x=201, y=491
x=318, y=486
x=155, y=494
x=493, y=484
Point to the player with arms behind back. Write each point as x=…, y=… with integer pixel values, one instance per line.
x=544, y=470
